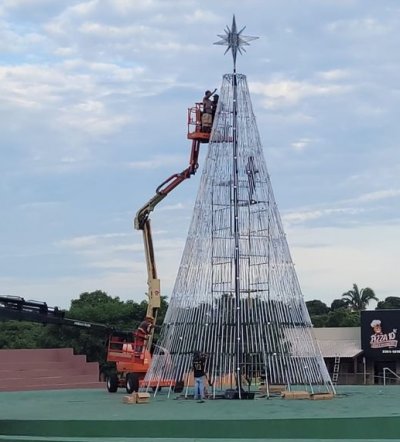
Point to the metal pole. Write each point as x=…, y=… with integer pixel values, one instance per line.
x=236, y=234
x=365, y=370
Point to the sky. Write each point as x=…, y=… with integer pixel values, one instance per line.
x=93, y=117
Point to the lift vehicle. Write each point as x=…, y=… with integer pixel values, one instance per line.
x=125, y=348
x=133, y=359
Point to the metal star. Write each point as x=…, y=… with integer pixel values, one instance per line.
x=234, y=40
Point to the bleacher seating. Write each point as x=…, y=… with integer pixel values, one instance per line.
x=46, y=369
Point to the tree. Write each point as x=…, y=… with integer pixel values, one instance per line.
x=338, y=303
x=317, y=307
x=391, y=302
x=343, y=317
x=358, y=300
x=20, y=334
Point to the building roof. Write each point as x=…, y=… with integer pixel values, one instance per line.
x=343, y=342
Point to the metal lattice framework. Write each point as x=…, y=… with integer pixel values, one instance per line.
x=236, y=296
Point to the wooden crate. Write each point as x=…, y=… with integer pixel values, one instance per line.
x=295, y=395
x=137, y=398
x=142, y=398
x=322, y=396
x=276, y=389
x=131, y=399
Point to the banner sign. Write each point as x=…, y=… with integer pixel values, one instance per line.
x=380, y=338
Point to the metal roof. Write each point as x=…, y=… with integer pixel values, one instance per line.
x=343, y=342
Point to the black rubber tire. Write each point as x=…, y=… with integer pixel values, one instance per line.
x=112, y=383
x=132, y=383
x=179, y=385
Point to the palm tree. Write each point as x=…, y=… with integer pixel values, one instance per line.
x=358, y=300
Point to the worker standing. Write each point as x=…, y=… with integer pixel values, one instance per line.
x=199, y=363
x=143, y=332
x=214, y=105
x=206, y=119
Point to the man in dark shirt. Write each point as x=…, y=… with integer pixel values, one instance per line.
x=206, y=119
x=143, y=332
x=199, y=362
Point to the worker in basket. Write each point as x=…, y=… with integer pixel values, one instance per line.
x=208, y=106
x=143, y=332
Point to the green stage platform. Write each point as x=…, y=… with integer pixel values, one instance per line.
x=369, y=413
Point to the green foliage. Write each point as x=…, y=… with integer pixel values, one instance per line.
x=391, y=302
x=316, y=307
x=338, y=303
x=20, y=334
x=343, y=318
x=97, y=307
x=358, y=300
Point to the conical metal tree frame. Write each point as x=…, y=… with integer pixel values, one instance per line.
x=237, y=297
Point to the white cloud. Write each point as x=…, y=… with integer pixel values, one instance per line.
x=301, y=144
x=378, y=195
x=303, y=216
x=346, y=256
x=359, y=26
x=201, y=17
x=289, y=93
x=158, y=161
x=97, y=86
x=311, y=214
x=88, y=240
x=334, y=75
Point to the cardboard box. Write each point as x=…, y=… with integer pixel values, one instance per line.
x=137, y=398
x=321, y=396
x=142, y=398
x=131, y=399
x=295, y=394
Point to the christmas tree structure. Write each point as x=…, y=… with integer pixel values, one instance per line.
x=237, y=298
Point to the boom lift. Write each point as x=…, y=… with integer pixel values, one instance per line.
x=133, y=360
x=131, y=354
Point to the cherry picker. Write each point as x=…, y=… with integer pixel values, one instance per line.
x=133, y=360
x=130, y=351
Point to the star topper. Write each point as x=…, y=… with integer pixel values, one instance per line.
x=234, y=40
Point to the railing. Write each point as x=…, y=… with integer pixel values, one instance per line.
x=385, y=369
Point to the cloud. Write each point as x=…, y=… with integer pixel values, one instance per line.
x=172, y=207
x=345, y=256
x=301, y=144
x=334, y=75
x=201, y=16
x=18, y=41
x=289, y=93
x=158, y=161
x=359, y=26
x=377, y=196
x=299, y=217
x=311, y=214
x=88, y=241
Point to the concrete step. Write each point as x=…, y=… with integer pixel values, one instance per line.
x=44, y=369
x=59, y=386
x=68, y=363
x=46, y=381
x=27, y=372
x=37, y=355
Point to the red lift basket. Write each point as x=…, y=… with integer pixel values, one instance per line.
x=194, y=124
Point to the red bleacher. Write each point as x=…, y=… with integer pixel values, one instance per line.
x=46, y=369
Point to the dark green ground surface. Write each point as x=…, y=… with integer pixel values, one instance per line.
x=358, y=413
